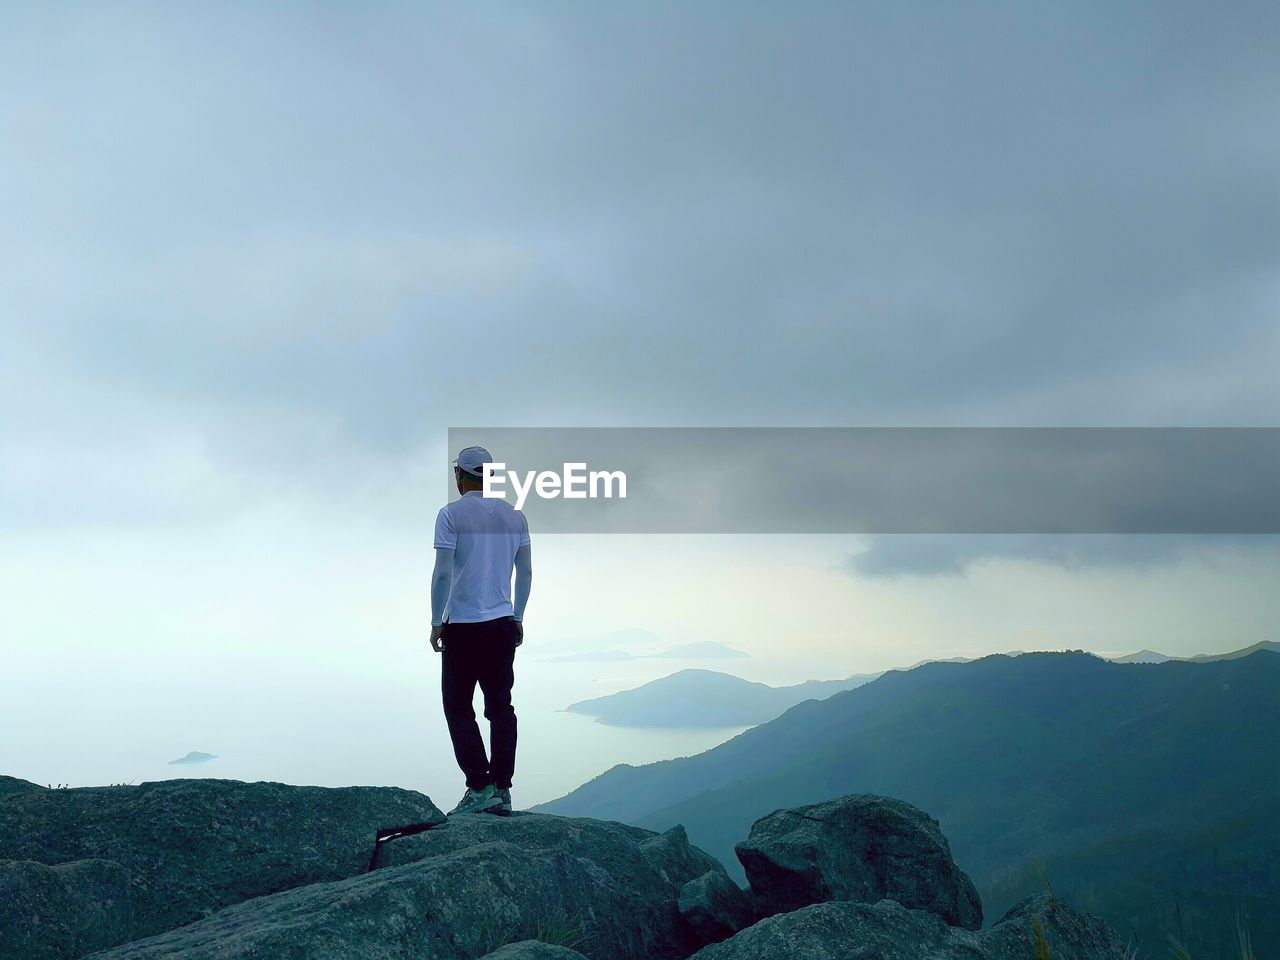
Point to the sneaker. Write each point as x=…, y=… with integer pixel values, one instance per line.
x=503, y=794
x=474, y=801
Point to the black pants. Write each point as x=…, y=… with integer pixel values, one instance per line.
x=482, y=653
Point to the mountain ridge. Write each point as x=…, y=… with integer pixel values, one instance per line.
x=1083, y=754
x=706, y=698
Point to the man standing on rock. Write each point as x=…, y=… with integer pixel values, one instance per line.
x=479, y=541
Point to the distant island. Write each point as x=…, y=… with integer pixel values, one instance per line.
x=707, y=650
x=195, y=756
x=706, y=698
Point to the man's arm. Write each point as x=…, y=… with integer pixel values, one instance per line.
x=441, y=582
x=524, y=583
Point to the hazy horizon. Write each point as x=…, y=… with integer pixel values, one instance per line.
x=257, y=260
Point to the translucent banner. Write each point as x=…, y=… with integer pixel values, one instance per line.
x=885, y=480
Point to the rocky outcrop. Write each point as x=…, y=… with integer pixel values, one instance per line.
x=533, y=950
x=652, y=865
x=1046, y=919
x=63, y=911
x=715, y=907
x=191, y=847
x=675, y=858
x=888, y=931
x=460, y=890
x=235, y=871
x=861, y=848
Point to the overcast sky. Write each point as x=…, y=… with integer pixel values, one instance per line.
x=255, y=259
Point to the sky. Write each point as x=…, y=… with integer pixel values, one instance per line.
x=255, y=260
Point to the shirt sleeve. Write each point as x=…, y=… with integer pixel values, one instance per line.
x=524, y=529
x=524, y=580
x=441, y=585
x=446, y=533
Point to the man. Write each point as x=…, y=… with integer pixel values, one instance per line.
x=475, y=626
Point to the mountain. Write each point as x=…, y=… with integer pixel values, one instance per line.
x=1270, y=646
x=1152, y=656
x=705, y=698
x=1143, y=656
x=1148, y=791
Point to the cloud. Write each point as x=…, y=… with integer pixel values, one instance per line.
x=924, y=555
x=303, y=246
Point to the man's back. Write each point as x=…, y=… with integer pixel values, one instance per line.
x=484, y=534
x=479, y=544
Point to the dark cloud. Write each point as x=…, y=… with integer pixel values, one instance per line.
x=303, y=241
x=885, y=480
x=925, y=555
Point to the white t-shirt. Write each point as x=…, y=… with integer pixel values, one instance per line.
x=484, y=534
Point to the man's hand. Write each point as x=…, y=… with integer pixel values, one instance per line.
x=519, y=632
x=437, y=638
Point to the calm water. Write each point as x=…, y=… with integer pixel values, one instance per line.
x=312, y=724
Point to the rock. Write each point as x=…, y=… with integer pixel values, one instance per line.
x=715, y=907
x=205, y=869
x=63, y=911
x=888, y=931
x=191, y=847
x=462, y=901
x=861, y=848
x=675, y=858
x=1068, y=933
x=533, y=950
x=651, y=865
x=844, y=930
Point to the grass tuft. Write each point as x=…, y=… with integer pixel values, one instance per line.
x=560, y=931
x=1041, y=944
x=1243, y=938
x=557, y=929
x=1043, y=874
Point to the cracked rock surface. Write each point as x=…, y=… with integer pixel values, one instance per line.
x=862, y=848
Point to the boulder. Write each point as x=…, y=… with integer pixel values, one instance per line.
x=675, y=858
x=191, y=847
x=238, y=871
x=1067, y=933
x=64, y=911
x=533, y=950
x=651, y=865
x=715, y=907
x=861, y=848
x=465, y=898
x=889, y=931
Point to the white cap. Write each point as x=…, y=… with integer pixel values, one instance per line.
x=472, y=459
